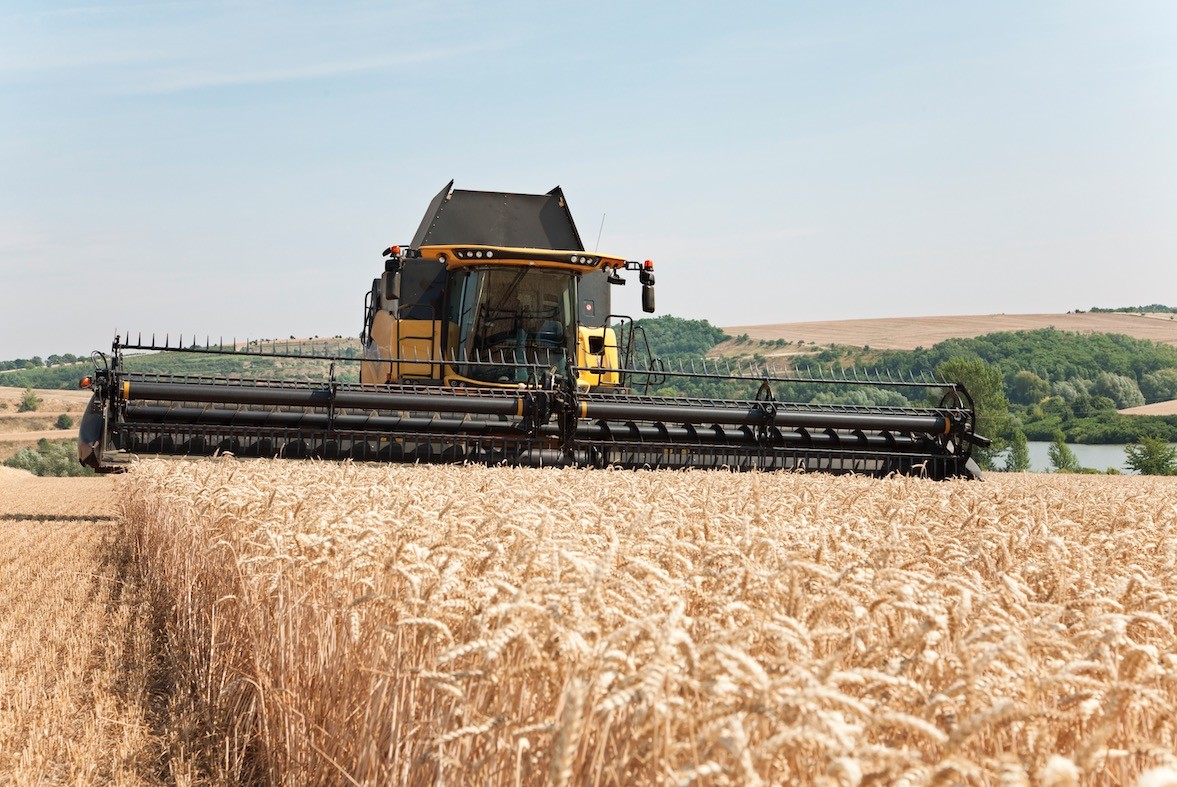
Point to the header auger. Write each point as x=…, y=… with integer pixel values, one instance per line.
x=490, y=339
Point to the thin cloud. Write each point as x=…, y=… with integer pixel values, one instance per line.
x=24, y=66
x=202, y=81
x=90, y=11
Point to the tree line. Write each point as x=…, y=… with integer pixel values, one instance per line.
x=37, y=362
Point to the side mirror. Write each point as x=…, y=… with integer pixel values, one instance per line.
x=648, y=298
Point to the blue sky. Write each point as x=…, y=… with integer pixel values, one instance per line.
x=236, y=168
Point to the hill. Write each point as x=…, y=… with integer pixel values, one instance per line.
x=908, y=333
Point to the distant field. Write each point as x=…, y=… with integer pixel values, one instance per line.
x=1156, y=408
x=907, y=333
x=53, y=401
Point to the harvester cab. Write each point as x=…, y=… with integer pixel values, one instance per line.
x=497, y=290
x=490, y=338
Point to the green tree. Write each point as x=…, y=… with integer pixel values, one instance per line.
x=1151, y=456
x=29, y=401
x=673, y=337
x=985, y=384
x=63, y=421
x=1018, y=458
x=1027, y=388
x=1062, y=458
x=1160, y=385
x=1121, y=389
x=1070, y=390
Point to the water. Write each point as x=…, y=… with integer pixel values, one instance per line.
x=1098, y=457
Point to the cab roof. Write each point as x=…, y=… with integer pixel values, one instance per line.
x=498, y=218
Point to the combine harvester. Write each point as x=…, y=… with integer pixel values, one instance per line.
x=490, y=339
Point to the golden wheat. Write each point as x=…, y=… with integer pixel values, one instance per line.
x=76, y=644
x=336, y=623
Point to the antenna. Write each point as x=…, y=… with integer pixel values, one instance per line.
x=602, y=229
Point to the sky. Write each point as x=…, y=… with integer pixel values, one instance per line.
x=235, y=169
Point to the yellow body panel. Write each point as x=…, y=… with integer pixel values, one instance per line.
x=412, y=340
x=453, y=378
x=507, y=256
x=604, y=339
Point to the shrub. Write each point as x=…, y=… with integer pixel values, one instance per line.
x=1062, y=458
x=49, y=459
x=64, y=422
x=29, y=401
x=1018, y=458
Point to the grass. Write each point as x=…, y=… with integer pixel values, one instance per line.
x=335, y=623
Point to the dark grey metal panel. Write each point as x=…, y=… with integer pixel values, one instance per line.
x=593, y=292
x=427, y=221
x=422, y=290
x=495, y=218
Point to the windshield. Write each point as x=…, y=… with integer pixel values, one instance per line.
x=512, y=316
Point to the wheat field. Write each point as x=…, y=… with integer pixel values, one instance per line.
x=76, y=644
x=347, y=624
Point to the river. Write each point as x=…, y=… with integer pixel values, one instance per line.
x=1099, y=457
